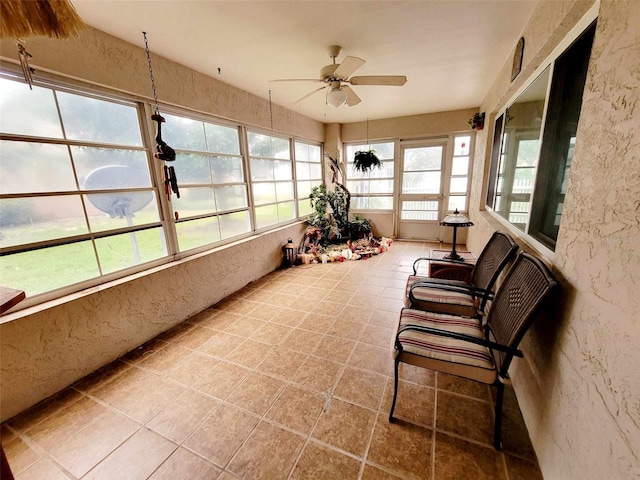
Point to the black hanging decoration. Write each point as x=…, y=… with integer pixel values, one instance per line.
x=163, y=151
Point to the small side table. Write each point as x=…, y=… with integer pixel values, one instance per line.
x=450, y=270
x=455, y=220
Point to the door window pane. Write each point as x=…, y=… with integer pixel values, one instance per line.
x=424, y=158
x=423, y=182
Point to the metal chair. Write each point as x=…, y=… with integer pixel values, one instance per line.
x=456, y=297
x=461, y=346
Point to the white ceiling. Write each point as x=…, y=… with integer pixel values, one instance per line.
x=450, y=50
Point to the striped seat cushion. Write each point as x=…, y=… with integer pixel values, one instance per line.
x=417, y=278
x=433, y=299
x=444, y=353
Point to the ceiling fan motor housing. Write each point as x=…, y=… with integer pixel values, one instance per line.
x=328, y=71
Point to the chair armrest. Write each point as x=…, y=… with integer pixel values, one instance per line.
x=457, y=336
x=444, y=260
x=454, y=287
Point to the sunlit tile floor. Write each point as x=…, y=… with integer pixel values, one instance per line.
x=289, y=378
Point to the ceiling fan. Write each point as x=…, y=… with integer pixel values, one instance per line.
x=336, y=75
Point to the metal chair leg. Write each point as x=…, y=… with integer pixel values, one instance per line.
x=395, y=390
x=497, y=433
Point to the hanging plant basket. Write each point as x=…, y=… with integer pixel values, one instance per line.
x=477, y=121
x=364, y=161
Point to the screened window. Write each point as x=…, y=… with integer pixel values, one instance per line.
x=213, y=204
x=534, y=142
x=308, y=174
x=271, y=179
x=372, y=190
x=76, y=195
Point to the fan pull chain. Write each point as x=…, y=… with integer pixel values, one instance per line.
x=270, y=110
x=153, y=80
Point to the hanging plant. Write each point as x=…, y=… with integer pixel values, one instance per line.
x=366, y=160
x=477, y=121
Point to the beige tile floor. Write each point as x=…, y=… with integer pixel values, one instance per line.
x=290, y=378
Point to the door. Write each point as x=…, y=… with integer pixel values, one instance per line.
x=421, y=190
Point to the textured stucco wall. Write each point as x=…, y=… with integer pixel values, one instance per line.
x=579, y=387
x=45, y=351
x=108, y=61
x=425, y=125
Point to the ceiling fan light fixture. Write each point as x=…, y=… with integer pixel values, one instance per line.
x=336, y=97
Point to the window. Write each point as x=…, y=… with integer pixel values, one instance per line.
x=271, y=179
x=213, y=204
x=308, y=174
x=460, y=167
x=533, y=145
x=372, y=190
x=76, y=194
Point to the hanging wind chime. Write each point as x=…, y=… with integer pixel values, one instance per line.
x=163, y=151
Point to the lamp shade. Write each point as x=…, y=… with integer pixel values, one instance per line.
x=336, y=97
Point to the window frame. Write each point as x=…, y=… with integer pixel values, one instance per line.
x=491, y=191
x=349, y=166
x=166, y=220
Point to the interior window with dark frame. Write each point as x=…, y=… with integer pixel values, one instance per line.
x=529, y=166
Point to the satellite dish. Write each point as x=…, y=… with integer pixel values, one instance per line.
x=118, y=204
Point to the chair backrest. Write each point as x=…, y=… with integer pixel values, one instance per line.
x=516, y=304
x=497, y=253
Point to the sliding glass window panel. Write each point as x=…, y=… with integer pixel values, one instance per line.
x=226, y=169
x=262, y=169
x=29, y=167
x=110, y=211
x=231, y=197
x=46, y=269
x=284, y=191
x=193, y=169
x=222, y=139
x=194, y=202
x=37, y=219
x=28, y=112
x=282, y=170
x=183, y=133
x=266, y=216
x=125, y=250
x=234, y=224
x=286, y=211
x=62, y=196
x=520, y=151
x=109, y=168
x=197, y=233
x=264, y=192
x=94, y=120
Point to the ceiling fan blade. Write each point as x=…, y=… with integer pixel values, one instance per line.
x=308, y=95
x=348, y=66
x=352, y=98
x=296, y=80
x=391, y=80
